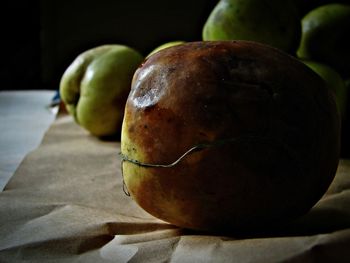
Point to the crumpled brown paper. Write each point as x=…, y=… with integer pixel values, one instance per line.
x=66, y=203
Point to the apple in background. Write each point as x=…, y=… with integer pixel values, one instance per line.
x=166, y=45
x=95, y=87
x=306, y=6
x=345, y=150
x=334, y=82
x=325, y=37
x=273, y=22
x=228, y=136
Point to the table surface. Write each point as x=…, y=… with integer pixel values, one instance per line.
x=65, y=203
x=24, y=118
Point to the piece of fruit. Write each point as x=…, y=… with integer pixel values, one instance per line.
x=325, y=37
x=345, y=147
x=95, y=87
x=334, y=82
x=272, y=22
x=165, y=45
x=306, y=6
x=228, y=136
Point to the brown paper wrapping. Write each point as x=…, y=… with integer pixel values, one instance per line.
x=66, y=203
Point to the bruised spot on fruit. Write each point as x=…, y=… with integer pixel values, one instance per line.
x=153, y=86
x=146, y=96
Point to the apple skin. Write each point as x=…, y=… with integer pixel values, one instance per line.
x=272, y=123
x=334, y=82
x=95, y=87
x=272, y=22
x=166, y=45
x=325, y=37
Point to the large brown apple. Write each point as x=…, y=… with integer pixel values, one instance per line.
x=228, y=136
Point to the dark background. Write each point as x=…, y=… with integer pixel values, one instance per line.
x=41, y=38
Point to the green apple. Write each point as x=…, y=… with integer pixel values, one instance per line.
x=95, y=87
x=228, y=136
x=347, y=84
x=272, y=22
x=305, y=6
x=166, y=45
x=325, y=37
x=334, y=82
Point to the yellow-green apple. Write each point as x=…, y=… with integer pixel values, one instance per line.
x=334, y=82
x=228, y=136
x=272, y=22
x=166, y=45
x=95, y=87
x=325, y=37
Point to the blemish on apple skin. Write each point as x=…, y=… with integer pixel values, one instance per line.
x=151, y=91
x=149, y=108
x=148, y=99
x=131, y=129
x=131, y=151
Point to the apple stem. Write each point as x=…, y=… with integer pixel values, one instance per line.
x=152, y=165
x=125, y=188
x=202, y=146
x=194, y=148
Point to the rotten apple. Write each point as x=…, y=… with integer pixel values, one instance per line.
x=228, y=136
